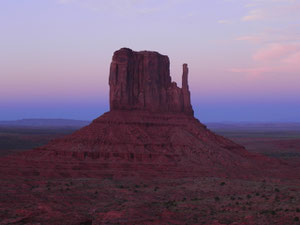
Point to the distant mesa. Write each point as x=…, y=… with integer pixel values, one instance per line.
x=149, y=131
x=142, y=81
x=45, y=123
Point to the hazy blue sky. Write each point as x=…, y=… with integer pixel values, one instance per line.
x=243, y=55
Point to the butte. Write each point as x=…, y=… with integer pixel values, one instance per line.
x=149, y=131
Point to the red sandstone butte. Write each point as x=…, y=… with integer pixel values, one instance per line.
x=149, y=131
x=142, y=81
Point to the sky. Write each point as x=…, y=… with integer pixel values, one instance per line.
x=243, y=55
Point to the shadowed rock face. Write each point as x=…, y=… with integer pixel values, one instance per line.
x=142, y=81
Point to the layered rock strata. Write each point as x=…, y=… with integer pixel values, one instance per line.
x=142, y=81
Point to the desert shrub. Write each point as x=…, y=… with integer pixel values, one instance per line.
x=195, y=219
x=268, y=212
x=169, y=204
x=222, y=183
x=257, y=194
x=277, y=190
x=217, y=199
x=296, y=218
x=121, y=186
x=156, y=188
x=88, y=222
x=263, y=211
x=232, y=198
x=249, y=196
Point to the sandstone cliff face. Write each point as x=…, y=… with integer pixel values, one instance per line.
x=142, y=81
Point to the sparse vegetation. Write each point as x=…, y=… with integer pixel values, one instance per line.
x=169, y=204
x=202, y=200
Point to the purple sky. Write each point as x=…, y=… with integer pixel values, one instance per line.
x=243, y=55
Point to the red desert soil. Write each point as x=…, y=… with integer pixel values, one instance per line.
x=146, y=161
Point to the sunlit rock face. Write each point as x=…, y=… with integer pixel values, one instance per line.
x=142, y=81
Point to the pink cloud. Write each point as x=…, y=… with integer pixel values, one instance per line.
x=252, y=71
x=224, y=21
x=274, y=58
x=293, y=59
x=255, y=14
x=251, y=38
x=276, y=51
x=259, y=71
x=276, y=37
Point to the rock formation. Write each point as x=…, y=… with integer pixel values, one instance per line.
x=146, y=161
x=142, y=81
x=150, y=130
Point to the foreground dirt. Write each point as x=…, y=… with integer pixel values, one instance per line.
x=129, y=201
x=209, y=200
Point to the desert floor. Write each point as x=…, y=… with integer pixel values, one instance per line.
x=200, y=200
